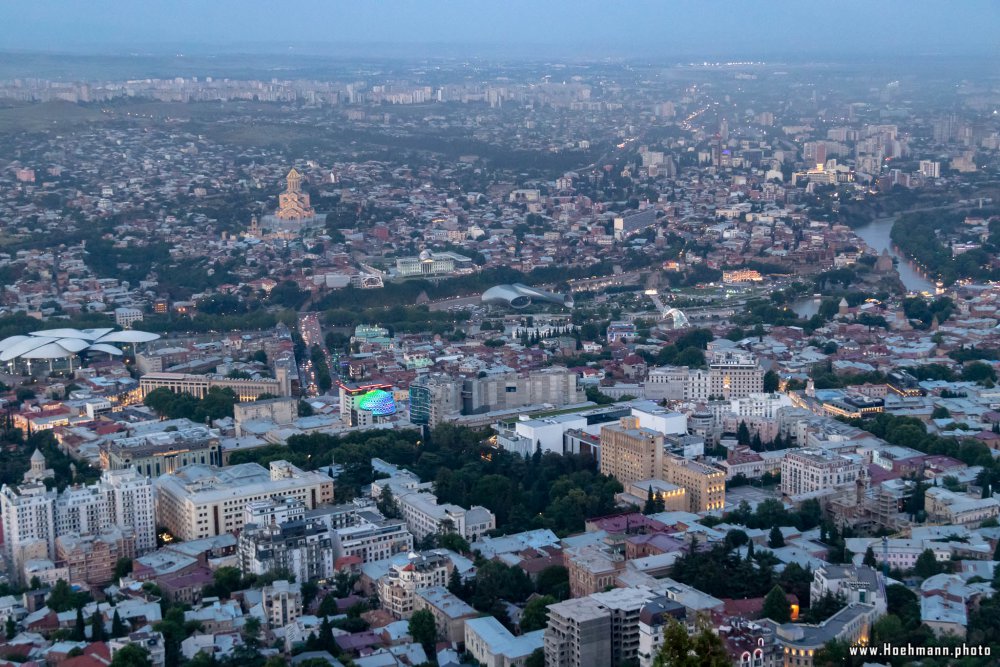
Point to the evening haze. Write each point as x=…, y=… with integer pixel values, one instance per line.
x=561, y=27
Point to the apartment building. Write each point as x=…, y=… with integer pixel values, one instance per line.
x=398, y=587
x=811, y=470
x=578, y=634
x=91, y=558
x=282, y=603
x=34, y=517
x=731, y=374
x=493, y=645
x=303, y=548
x=450, y=612
x=420, y=508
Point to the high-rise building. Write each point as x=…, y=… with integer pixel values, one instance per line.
x=629, y=452
x=578, y=634
x=625, y=605
x=34, y=517
x=930, y=169
x=434, y=399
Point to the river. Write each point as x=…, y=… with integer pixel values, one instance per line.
x=877, y=235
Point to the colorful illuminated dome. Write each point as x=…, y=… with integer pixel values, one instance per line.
x=378, y=402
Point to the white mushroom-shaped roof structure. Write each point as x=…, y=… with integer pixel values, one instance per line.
x=61, y=343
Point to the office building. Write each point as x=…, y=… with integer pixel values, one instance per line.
x=435, y=399
x=125, y=317
x=161, y=452
x=554, y=386
x=429, y=263
x=202, y=500
x=578, y=634
x=629, y=452
x=704, y=485
x=198, y=385
x=633, y=222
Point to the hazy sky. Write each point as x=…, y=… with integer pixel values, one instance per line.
x=573, y=27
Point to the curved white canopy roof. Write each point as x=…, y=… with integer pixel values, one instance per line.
x=130, y=336
x=85, y=334
x=103, y=347
x=49, y=351
x=11, y=340
x=24, y=346
x=59, y=343
x=74, y=344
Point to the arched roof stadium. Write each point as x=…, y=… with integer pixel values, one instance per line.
x=521, y=296
x=62, y=343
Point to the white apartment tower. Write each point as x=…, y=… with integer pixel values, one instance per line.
x=33, y=517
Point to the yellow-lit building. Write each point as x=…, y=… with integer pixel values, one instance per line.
x=674, y=497
x=705, y=485
x=629, y=452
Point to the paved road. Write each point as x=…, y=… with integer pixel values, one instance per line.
x=460, y=301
